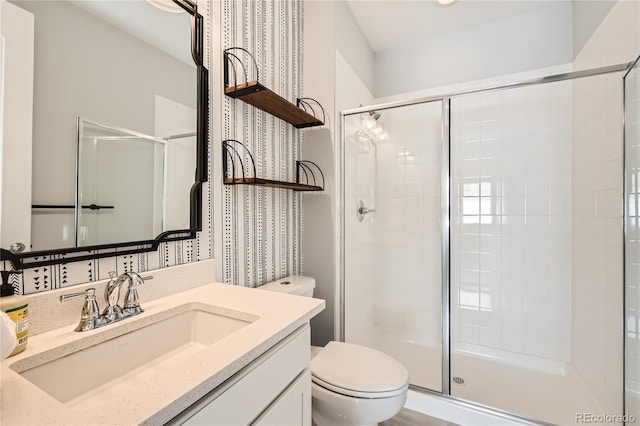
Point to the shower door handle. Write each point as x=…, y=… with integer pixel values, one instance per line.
x=363, y=210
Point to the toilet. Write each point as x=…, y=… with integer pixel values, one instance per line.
x=351, y=384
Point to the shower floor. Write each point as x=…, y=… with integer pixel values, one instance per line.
x=553, y=397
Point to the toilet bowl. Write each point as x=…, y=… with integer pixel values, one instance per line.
x=351, y=384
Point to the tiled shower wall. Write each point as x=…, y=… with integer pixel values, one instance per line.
x=168, y=254
x=597, y=236
x=632, y=243
x=262, y=226
x=511, y=222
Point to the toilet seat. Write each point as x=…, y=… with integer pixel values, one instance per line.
x=358, y=371
x=358, y=394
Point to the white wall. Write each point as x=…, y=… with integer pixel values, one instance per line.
x=359, y=318
x=615, y=41
x=319, y=209
x=353, y=45
x=350, y=93
x=587, y=16
x=530, y=41
x=338, y=84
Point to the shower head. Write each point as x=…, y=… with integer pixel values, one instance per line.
x=371, y=121
x=372, y=128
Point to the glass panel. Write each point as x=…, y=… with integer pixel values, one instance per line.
x=632, y=244
x=393, y=263
x=536, y=268
x=109, y=160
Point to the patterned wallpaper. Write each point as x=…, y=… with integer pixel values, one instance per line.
x=169, y=254
x=262, y=227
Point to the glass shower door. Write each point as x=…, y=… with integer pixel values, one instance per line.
x=393, y=236
x=536, y=268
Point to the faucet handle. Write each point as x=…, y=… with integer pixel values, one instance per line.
x=88, y=293
x=90, y=309
x=131, y=298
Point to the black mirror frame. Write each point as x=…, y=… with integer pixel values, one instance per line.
x=35, y=259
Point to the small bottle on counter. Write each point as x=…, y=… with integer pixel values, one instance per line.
x=17, y=308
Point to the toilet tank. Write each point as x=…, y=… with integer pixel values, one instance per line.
x=294, y=284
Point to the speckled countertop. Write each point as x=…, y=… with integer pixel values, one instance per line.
x=159, y=397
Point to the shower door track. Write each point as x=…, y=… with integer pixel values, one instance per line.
x=513, y=85
x=445, y=199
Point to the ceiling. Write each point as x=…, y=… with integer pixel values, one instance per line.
x=390, y=23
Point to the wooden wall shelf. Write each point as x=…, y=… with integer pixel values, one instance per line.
x=272, y=184
x=237, y=163
x=263, y=98
x=300, y=115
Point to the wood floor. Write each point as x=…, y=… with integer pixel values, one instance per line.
x=413, y=418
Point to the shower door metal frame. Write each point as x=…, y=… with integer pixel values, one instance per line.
x=446, y=218
x=445, y=223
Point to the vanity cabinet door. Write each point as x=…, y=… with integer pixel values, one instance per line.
x=293, y=407
x=250, y=394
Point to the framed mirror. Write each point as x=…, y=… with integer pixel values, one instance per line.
x=104, y=129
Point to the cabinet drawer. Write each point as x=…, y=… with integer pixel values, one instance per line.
x=242, y=398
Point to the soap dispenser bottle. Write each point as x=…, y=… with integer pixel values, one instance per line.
x=17, y=308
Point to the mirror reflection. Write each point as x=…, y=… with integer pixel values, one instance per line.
x=112, y=123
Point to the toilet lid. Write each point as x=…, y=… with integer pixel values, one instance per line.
x=359, y=371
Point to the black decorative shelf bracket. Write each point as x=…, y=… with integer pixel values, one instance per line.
x=235, y=171
x=306, y=168
x=304, y=104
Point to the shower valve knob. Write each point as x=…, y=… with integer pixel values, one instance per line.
x=363, y=210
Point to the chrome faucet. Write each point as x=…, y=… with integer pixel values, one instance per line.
x=113, y=312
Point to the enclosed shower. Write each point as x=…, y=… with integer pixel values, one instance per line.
x=490, y=243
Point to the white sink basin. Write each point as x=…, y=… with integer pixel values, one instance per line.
x=113, y=367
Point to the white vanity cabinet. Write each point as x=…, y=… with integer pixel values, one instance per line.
x=274, y=389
